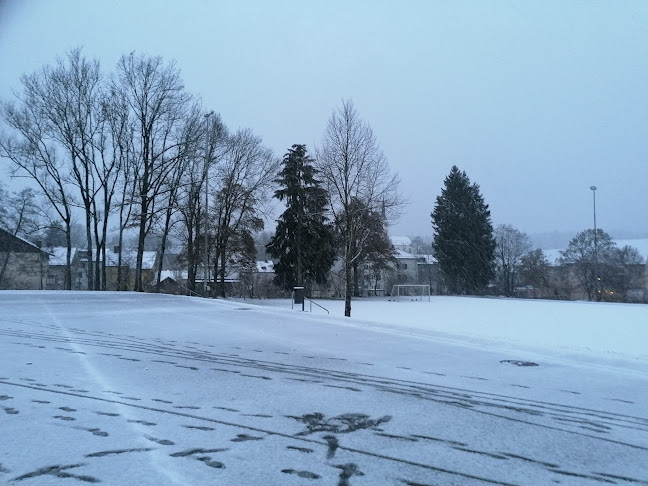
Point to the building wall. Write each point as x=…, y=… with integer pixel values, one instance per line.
x=23, y=271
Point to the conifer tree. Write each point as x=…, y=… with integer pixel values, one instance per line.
x=463, y=241
x=304, y=241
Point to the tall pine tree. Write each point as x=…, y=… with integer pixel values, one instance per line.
x=304, y=241
x=463, y=241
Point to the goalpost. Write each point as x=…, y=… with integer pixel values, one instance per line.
x=410, y=290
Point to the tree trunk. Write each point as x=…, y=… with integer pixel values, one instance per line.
x=348, y=291
x=120, y=274
x=222, y=275
x=140, y=247
x=356, y=277
x=191, y=259
x=68, y=260
x=89, y=253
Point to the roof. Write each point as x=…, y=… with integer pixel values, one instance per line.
x=400, y=240
x=15, y=244
x=129, y=257
x=58, y=255
x=174, y=261
x=403, y=255
x=426, y=259
x=174, y=274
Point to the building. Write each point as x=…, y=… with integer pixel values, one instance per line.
x=406, y=268
x=23, y=265
x=79, y=268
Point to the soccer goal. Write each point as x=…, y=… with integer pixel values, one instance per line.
x=412, y=291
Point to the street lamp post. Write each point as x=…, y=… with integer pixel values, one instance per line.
x=596, y=279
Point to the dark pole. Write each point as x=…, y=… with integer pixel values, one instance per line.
x=596, y=278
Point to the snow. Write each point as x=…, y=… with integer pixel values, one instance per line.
x=147, y=389
x=400, y=254
x=265, y=266
x=129, y=257
x=58, y=255
x=400, y=241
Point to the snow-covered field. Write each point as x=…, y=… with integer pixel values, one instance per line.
x=132, y=389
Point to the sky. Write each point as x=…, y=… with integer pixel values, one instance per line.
x=536, y=101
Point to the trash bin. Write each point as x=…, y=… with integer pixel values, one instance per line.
x=298, y=296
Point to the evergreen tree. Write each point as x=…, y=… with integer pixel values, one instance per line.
x=304, y=241
x=463, y=241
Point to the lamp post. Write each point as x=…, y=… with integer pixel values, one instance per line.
x=206, y=177
x=596, y=279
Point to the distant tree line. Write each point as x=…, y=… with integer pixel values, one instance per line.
x=134, y=152
x=132, y=149
x=475, y=258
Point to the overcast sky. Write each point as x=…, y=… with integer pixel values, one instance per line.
x=536, y=101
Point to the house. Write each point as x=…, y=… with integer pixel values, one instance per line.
x=56, y=269
x=79, y=268
x=407, y=268
x=23, y=265
x=402, y=243
x=261, y=281
x=630, y=284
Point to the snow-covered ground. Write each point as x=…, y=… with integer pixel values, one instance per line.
x=124, y=388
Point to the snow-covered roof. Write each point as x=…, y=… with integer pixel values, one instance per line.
x=552, y=255
x=400, y=241
x=58, y=255
x=129, y=257
x=265, y=266
x=403, y=254
x=428, y=259
x=174, y=274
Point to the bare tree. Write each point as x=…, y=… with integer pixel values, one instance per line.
x=116, y=171
x=66, y=96
x=353, y=168
x=590, y=261
x=511, y=246
x=244, y=177
x=208, y=153
x=158, y=101
x=35, y=155
x=20, y=217
x=193, y=131
x=534, y=270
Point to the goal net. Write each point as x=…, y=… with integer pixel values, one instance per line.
x=411, y=291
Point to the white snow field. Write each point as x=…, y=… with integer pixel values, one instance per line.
x=144, y=389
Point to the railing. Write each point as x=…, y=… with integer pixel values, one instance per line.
x=313, y=302
x=190, y=292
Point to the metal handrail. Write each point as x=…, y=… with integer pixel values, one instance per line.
x=313, y=302
x=190, y=291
